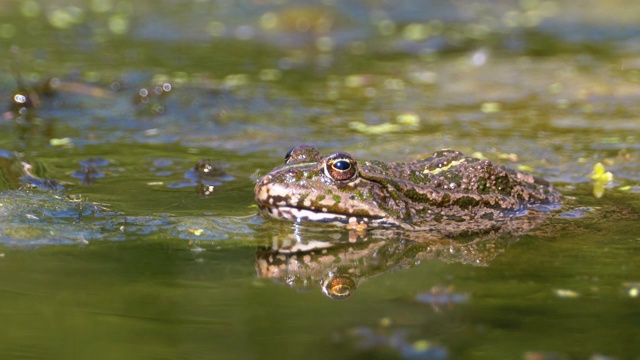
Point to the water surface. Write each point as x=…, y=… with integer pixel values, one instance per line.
x=114, y=247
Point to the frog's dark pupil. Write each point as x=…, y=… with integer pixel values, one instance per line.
x=342, y=165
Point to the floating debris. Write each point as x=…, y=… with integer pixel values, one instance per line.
x=60, y=142
x=196, y=232
x=46, y=218
x=403, y=122
x=206, y=176
x=440, y=296
x=90, y=170
x=408, y=118
x=30, y=180
x=632, y=289
x=208, y=168
x=577, y=213
x=513, y=157
x=358, y=80
x=151, y=101
x=566, y=293
x=98, y=162
x=368, y=338
x=204, y=190
x=539, y=355
x=490, y=107
x=601, y=179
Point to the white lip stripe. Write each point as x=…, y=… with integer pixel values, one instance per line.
x=299, y=215
x=302, y=214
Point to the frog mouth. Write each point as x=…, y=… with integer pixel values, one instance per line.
x=304, y=215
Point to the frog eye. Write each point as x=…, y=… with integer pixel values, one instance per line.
x=340, y=167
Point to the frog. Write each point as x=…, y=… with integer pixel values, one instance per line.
x=446, y=193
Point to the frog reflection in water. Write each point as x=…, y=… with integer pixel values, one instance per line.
x=338, y=263
x=447, y=194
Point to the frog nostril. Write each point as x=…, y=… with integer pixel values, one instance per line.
x=287, y=157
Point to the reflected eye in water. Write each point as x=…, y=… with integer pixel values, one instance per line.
x=341, y=167
x=338, y=287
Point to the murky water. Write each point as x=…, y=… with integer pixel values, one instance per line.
x=111, y=244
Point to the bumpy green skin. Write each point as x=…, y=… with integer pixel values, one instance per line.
x=446, y=192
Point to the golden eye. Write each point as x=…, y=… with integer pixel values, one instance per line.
x=340, y=167
x=339, y=287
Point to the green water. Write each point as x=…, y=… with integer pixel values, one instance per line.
x=135, y=263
